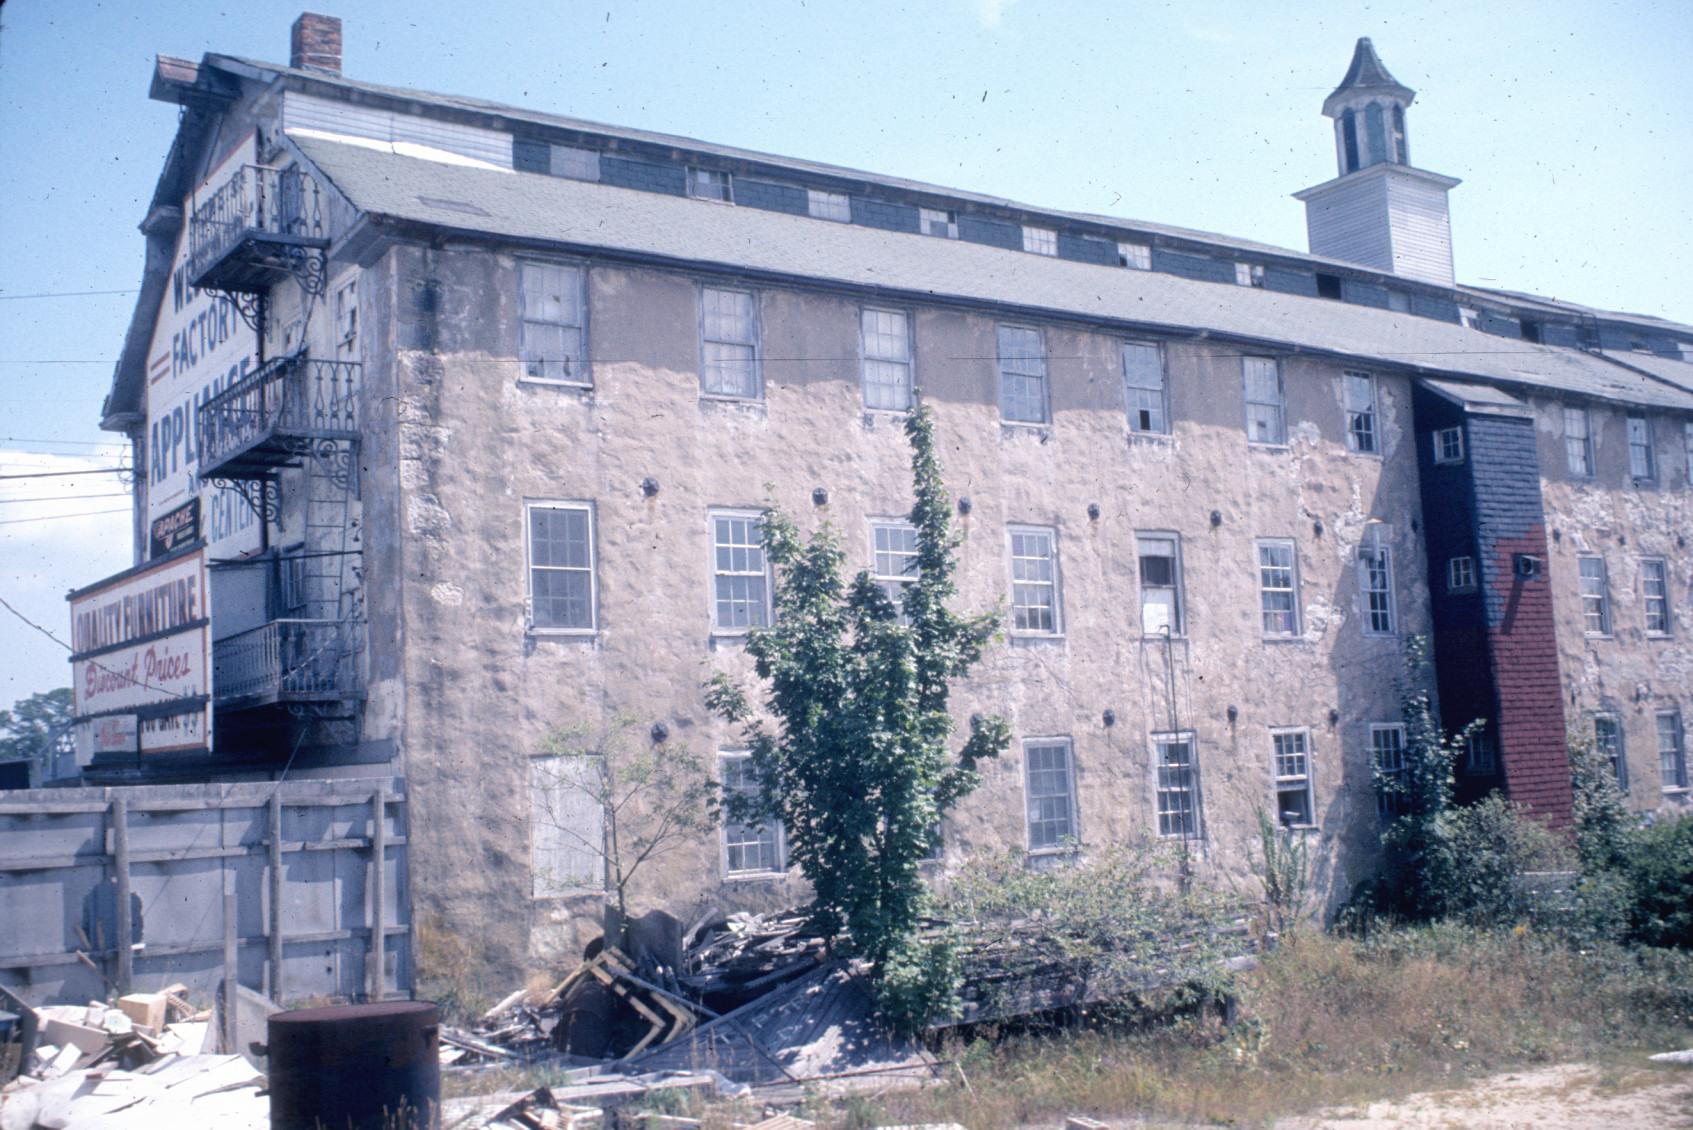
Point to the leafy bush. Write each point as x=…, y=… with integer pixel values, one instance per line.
x=1489, y=848
x=1660, y=873
x=1283, y=869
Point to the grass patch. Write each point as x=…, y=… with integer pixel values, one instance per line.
x=1324, y=1021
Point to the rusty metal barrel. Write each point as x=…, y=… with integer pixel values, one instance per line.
x=353, y=1067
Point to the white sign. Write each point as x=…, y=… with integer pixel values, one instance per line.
x=200, y=346
x=141, y=645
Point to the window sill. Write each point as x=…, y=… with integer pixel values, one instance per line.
x=1597, y=636
x=1042, y=427
x=1035, y=637
x=1268, y=445
x=1651, y=635
x=1376, y=455
x=753, y=876
x=1296, y=637
x=562, y=633
x=1150, y=437
x=1681, y=791
x=542, y=382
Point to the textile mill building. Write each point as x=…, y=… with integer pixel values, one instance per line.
x=471, y=412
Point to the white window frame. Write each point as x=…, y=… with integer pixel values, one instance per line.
x=710, y=337
x=1363, y=422
x=757, y=519
x=751, y=835
x=1134, y=256
x=1481, y=752
x=1595, y=595
x=1270, y=428
x=1037, y=816
x=883, y=553
x=1654, y=595
x=530, y=568
x=1381, y=609
x=1388, y=738
x=1178, y=629
x=1672, y=751
x=942, y=223
x=1265, y=590
x=1052, y=586
x=1290, y=770
x=711, y=184
x=1642, y=450
x=1578, y=441
x=1249, y=274
x=1615, y=751
x=1148, y=407
x=1020, y=367
x=1448, y=445
x=1039, y=240
x=1469, y=318
x=1460, y=573
x=572, y=370
x=1178, y=803
x=554, y=831
x=875, y=356
x=347, y=315
x=835, y=206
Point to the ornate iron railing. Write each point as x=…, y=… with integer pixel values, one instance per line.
x=289, y=397
x=255, y=200
x=287, y=660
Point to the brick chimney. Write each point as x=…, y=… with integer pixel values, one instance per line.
x=315, y=44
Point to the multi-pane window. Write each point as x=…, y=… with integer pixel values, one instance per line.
x=1449, y=445
x=1595, y=597
x=1145, y=388
x=560, y=543
x=750, y=847
x=1291, y=753
x=1134, y=256
x=1654, y=591
x=1481, y=752
x=1375, y=578
x=728, y=343
x=1022, y=375
x=1460, y=574
x=1278, y=588
x=1387, y=754
x=740, y=580
x=570, y=161
x=1607, y=743
x=1034, y=580
x=893, y=558
x=1578, y=442
x=938, y=222
x=1642, y=460
x=1672, y=750
x=709, y=184
x=886, y=343
x=1052, y=794
x=1266, y=420
x=566, y=826
x=1362, y=434
x=828, y=205
x=550, y=330
x=1160, y=584
x=1040, y=241
x=1178, y=785
x=1248, y=274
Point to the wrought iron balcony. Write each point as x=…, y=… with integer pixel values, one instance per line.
x=287, y=408
x=288, y=661
x=259, y=227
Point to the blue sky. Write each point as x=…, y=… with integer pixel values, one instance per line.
x=1566, y=120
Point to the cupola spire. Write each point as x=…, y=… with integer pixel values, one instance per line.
x=1368, y=108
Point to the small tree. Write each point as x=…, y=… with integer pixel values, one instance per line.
x=1419, y=796
x=653, y=799
x=1283, y=868
x=35, y=725
x=858, y=769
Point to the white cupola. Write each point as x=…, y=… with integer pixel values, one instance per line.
x=1379, y=211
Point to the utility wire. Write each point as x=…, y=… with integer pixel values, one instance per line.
x=65, y=497
x=63, y=294
x=61, y=517
x=58, y=474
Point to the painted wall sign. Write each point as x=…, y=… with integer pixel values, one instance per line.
x=142, y=648
x=200, y=346
x=113, y=733
x=170, y=532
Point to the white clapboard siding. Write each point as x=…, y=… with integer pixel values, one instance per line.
x=564, y=819
x=1422, y=230
x=303, y=111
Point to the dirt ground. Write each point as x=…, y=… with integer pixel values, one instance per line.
x=1572, y=1095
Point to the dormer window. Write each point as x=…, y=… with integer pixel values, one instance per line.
x=1040, y=241
x=1134, y=256
x=709, y=184
x=1248, y=274
x=938, y=222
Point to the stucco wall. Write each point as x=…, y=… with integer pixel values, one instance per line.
x=480, y=693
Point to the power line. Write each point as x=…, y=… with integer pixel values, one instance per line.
x=60, y=517
x=57, y=474
x=117, y=443
x=65, y=497
x=64, y=294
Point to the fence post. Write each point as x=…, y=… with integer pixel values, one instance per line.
x=231, y=969
x=378, y=895
x=275, y=861
x=120, y=868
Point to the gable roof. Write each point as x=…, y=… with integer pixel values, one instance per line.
x=403, y=193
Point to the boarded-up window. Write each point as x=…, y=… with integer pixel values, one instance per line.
x=566, y=826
